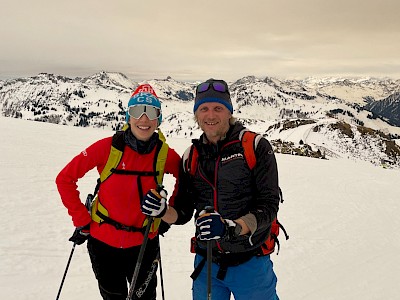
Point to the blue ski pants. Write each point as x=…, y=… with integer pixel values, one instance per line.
x=252, y=280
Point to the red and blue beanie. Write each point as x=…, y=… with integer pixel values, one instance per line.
x=144, y=95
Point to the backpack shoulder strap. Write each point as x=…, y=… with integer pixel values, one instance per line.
x=249, y=142
x=98, y=211
x=114, y=157
x=116, y=152
x=190, y=160
x=161, y=157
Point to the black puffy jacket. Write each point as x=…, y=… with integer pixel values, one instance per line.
x=224, y=180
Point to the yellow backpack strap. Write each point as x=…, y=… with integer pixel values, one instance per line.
x=98, y=211
x=125, y=127
x=113, y=160
x=160, y=167
x=114, y=157
x=161, y=157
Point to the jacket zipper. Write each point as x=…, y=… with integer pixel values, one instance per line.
x=215, y=186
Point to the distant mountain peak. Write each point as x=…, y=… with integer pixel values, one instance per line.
x=306, y=105
x=115, y=79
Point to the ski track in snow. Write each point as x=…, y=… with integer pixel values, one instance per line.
x=342, y=218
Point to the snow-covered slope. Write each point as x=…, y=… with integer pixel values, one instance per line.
x=341, y=216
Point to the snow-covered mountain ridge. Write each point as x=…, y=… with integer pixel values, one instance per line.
x=326, y=117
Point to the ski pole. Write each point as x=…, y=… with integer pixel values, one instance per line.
x=141, y=252
x=66, y=270
x=209, y=209
x=89, y=200
x=161, y=272
x=209, y=266
x=140, y=258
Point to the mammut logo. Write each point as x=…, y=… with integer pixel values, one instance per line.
x=232, y=157
x=146, y=89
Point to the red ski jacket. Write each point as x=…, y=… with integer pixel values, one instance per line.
x=119, y=193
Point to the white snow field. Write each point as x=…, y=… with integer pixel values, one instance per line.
x=342, y=217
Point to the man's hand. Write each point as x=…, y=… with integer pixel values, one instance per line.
x=211, y=226
x=154, y=203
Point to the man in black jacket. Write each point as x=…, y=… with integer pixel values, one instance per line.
x=234, y=204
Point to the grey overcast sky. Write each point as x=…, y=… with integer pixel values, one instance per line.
x=195, y=40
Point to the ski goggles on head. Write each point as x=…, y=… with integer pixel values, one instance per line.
x=216, y=86
x=137, y=111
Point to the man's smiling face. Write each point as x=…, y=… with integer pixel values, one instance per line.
x=213, y=119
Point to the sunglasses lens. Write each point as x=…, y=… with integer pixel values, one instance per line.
x=138, y=110
x=203, y=87
x=219, y=87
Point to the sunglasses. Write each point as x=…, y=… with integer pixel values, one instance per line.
x=137, y=111
x=217, y=86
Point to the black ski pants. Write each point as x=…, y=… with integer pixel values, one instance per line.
x=114, y=267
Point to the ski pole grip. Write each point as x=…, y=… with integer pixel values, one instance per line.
x=159, y=188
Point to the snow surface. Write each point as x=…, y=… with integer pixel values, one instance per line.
x=341, y=215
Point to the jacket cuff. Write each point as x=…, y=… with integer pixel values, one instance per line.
x=251, y=222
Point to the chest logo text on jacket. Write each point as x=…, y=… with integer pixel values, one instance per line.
x=232, y=157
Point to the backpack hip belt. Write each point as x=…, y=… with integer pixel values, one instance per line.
x=118, y=225
x=223, y=260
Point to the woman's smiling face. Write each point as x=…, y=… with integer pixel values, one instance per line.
x=143, y=128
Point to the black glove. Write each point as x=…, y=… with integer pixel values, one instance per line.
x=81, y=234
x=154, y=203
x=211, y=226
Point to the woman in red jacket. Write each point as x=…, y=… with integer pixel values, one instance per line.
x=115, y=227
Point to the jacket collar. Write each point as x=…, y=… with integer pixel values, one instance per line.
x=140, y=146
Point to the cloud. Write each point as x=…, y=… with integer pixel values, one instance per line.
x=193, y=39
